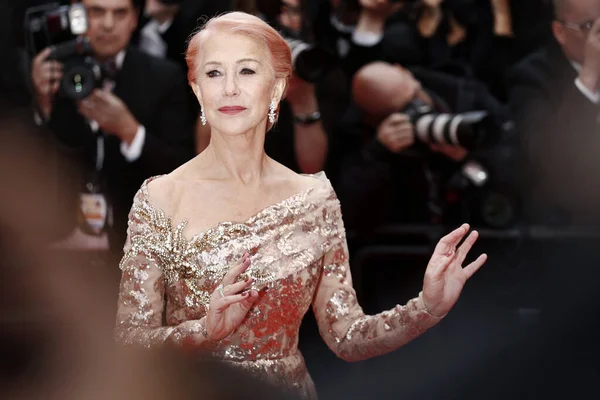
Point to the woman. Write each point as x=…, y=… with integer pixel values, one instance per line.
x=287, y=252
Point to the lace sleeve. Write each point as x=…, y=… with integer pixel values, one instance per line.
x=348, y=332
x=148, y=264
x=141, y=302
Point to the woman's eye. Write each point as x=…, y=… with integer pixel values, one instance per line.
x=247, y=71
x=212, y=73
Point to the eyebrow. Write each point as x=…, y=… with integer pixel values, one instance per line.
x=238, y=61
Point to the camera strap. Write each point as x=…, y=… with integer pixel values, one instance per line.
x=99, y=151
x=100, y=135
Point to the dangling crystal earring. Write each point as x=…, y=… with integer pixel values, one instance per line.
x=272, y=112
x=202, y=117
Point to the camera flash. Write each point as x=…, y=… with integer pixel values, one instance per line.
x=78, y=19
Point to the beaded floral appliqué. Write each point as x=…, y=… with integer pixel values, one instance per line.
x=165, y=244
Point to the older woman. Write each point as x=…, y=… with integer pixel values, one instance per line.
x=226, y=253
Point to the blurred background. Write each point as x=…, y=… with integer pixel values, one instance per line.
x=424, y=114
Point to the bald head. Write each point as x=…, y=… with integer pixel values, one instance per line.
x=380, y=88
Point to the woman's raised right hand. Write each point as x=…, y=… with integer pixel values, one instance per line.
x=229, y=306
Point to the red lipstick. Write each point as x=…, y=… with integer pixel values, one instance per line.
x=232, y=110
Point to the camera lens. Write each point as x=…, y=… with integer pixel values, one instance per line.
x=78, y=82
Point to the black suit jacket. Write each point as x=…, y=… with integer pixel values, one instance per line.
x=559, y=139
x=192, y=14
x=154, y=90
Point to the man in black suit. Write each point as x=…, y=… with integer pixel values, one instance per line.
x=554, y=99
x=136, y=126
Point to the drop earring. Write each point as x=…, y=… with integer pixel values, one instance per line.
x=272, y=112
x=202, y=117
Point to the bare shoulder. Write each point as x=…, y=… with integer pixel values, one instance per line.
x=300, y=182
x=160, y=193
x=164, y=191
x=318, y=180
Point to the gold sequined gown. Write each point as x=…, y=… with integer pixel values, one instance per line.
x=299, y=258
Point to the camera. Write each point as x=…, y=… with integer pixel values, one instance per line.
x=81, y=73
x=310, y=62
x=53, y=23
x=469, y=130
x=61, y=27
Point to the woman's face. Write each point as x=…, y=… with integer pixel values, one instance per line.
x=235, y=83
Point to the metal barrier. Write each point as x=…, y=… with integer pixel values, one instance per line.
x=419, y=241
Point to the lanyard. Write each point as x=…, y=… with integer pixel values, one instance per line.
x=108, y=85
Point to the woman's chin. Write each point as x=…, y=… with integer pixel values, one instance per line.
x=235, y=128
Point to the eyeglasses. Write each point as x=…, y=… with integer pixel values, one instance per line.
x=584, y=27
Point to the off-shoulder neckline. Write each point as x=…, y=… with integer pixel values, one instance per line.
x=248, y=222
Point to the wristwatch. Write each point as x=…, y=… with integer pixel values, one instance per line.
x=307, y=119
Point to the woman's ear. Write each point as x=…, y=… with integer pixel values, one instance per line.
x=279, y=89
x=196, y=90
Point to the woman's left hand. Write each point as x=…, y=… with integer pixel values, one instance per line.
x=445, y=275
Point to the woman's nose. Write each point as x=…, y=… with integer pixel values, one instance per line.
x=231, y=85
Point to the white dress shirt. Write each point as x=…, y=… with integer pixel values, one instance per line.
x=151, y=40
x=594, y=97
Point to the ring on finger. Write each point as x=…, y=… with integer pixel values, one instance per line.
x=242, y=277
x=220, y=290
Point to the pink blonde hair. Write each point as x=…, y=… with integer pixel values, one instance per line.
x=247, y=25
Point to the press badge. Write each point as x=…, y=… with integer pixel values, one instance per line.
x=94, y=213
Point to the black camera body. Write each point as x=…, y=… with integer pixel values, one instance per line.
x=311, y=62
x=61, y=27
x=81, y=73
x=478, y=192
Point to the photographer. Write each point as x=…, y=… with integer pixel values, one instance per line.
x=300, y=140
x=386, y=170
x=554, y=99
x=134, y=125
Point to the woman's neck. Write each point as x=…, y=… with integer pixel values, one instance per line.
x=240, y=158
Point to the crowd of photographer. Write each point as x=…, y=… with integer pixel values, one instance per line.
x=421, y=112
x=398, y=101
